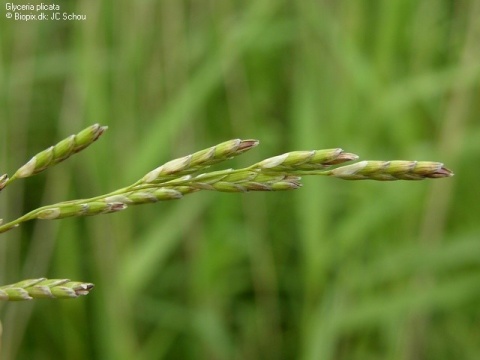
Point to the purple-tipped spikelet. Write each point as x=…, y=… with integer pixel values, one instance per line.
x=44, y=288
x=305, y=160
x=199, y=160
x=61, y=151
x=391, y=170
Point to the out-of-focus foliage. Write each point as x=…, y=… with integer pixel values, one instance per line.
x=335, y=270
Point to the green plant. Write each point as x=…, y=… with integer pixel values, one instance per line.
x=183, y=176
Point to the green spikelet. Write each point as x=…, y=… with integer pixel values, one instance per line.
x=391, y=170
x=59, y=152
x=44, y=288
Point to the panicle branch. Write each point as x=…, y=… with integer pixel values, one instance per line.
x=180, y=177
x=177, y=178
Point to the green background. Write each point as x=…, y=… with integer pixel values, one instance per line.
x=335, y=270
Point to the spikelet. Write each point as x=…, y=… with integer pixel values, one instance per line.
x=199, y=160
x=44, y=288
x=306, y=160
x=391, y=170
x=59, y=152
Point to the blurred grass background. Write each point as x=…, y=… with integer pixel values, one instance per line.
x=335, y=270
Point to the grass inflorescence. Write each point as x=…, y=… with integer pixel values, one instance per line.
x=187, y=175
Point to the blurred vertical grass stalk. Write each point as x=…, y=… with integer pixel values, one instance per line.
x=439, y=200
x=17, y=93
x=309, y=114
x=326, y=272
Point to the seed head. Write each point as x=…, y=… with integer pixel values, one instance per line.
x=61, y=151
x=68, y=209
x=391, y=170
x=145, y=196
x=44, y=288
x=306, y=160
x=199, y=160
